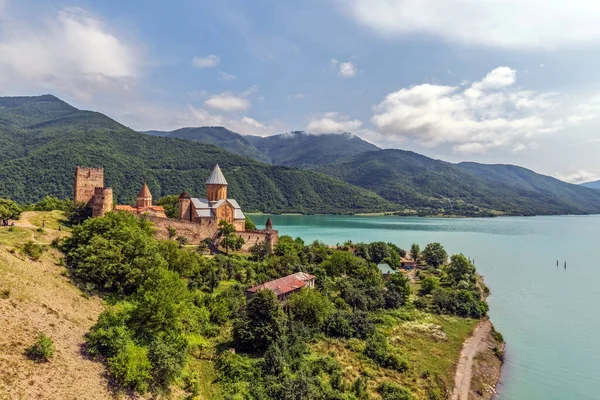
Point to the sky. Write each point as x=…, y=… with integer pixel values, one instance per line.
x=493, y=81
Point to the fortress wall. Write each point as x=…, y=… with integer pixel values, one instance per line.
x=196, y=233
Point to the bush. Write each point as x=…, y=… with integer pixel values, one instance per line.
x=33, y=250
x=378, y=350
x=42, y=349
x=131, y=367
x=167, y=353
x=391, y=391
x=429, y=284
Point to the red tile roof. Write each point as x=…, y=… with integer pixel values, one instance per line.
x=145, y=191
x=284, y=285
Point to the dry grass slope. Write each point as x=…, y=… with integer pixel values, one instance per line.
x=38, y=297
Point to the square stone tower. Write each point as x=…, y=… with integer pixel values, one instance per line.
x=86, y=181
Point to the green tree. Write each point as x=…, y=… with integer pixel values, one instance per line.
x=435, y=254
x=461, y=269
x=167, y=353
x=50, y=203
x=229, y=240
x=9, y=210
x=429, y=284
x=310, y=307
x=250, y=226
x=261, y=323
x=415, y=251
x=170, y=204
x=399, y=284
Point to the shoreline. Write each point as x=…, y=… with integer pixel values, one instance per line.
x=479, y=366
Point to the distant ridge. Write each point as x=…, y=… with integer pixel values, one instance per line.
x=591, y=185
x=43, y=138
x=299, y=148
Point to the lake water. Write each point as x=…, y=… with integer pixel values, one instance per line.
x=549, y=316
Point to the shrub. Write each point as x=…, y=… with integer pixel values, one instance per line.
x=42, y=349
x=167, y=353
x=391, y=391
x=33, y=250
x=131, y=367
x=429, y=284
x=338, y=325
x=233, y=368
x=378, y=350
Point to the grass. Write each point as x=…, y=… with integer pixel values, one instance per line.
x=430, y=343
x=52, y=219
x=14, y=236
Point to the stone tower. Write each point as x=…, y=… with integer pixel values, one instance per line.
x=185, y=207
x=86, y=181
x=216, y=185
x=102, y=202
x=144, y=198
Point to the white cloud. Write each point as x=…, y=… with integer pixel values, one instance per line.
x=148, y=116
x=228, y=102
x=332, y=122
x=497, y=23
x=347, y=70
x=296, y=96
x=209, y=61
x=579, y=176
x=224, y=76
x=73, y=52
x=344, y=69
x=490, y=113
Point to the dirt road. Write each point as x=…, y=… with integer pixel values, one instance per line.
x=472, y=346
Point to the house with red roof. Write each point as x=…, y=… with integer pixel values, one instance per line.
x=284, y=287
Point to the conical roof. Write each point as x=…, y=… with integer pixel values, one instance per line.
x=184, y=195
x=144, y=192
x=216, y=177
x=269, y=224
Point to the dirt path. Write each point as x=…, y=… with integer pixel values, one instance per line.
x=473, y=345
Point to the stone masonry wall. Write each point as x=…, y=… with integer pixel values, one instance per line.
x=196, y=233
x=86, y=180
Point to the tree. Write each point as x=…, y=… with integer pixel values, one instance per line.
x=461, y=269
x=261, y=323
x=435, y=254
x=400, y=285
x=229, y=240
x=310, y=307
x=170, y=204
x=250, y=226
x=429, y=284
x=415, y=251
x=9, y=210
x=50, y=203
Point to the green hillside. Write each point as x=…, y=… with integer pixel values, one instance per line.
x=219, y=136
x=46, y=138
x=302, y=149
x=413, y=180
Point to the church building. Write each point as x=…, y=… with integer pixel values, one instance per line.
x=215, y=207
x=143, y=205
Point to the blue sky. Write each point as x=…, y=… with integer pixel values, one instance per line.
x=494, y=81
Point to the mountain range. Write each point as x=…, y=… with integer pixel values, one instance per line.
x=44, y=138
x=591, y=185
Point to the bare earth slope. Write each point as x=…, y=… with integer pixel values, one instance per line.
x=35, y=297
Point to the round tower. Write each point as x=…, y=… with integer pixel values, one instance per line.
x=144, y=198
x=185, y=207
x=216, y=185
x=102, y=202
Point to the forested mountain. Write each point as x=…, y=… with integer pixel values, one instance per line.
x=591, y=185
x=302, y=149
x=219, y=136
x=46, y=138
x=410, y=179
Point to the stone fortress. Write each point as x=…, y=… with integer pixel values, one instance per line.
x=198, y=218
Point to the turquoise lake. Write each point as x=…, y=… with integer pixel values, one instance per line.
x=549, y=315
